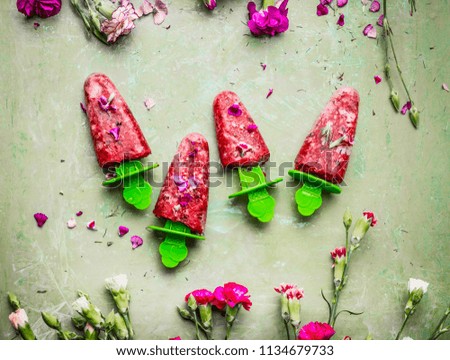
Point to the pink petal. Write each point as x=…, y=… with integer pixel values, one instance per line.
x=136, y=241
x=91, y=225
x=149, y=103
x=161, y=12
x=175, y=338
x=372, y=33
x=263, y=66
x=341, y=21
x=36, y=25
x=83, y=107
x=341, y=3
x=375, y=7
x=115, y=132
x=380, y=20
x=79, y=213
x=406, y=107
x=123, y=230
x=40, y=219
x=146, y=7
x=252, y=127
x=367, y=29
x=269, y=93
x=321, y=10
x=445, y=87
x=235, y=110
x=71, y=223
x=377, y=79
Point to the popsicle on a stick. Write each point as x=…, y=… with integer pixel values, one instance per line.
x=323, y=158
x=183, y=200
x=241, y=145
x=118, y=139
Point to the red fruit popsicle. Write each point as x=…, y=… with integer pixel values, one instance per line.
x=117, y=137
x=323, y=158
x=183, y=200
x=241, y=145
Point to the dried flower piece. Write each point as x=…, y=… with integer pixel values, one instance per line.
x=235, y=110
x=377, y=79
x=123, y=230
x=136, y=241
x=71, y=223
x=91, y=225
x=40, y=219
x=375, y=6
x=341, y=21
x=269, y=93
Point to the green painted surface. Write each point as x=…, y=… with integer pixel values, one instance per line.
x=396, y=171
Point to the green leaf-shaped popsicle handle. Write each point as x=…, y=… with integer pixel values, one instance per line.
x=309, y=196
x=173, y=249
x=260, y=204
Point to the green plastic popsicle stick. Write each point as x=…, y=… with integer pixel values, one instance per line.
x=260, y=204
x=136, y=191
x=173, y=249
x=309, y=196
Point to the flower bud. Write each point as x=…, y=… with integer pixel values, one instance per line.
x=285, y=308
x=78, y=321
x=120, y=328
x=414, y=116
x=13, y=301
x=339, y=256
x=361, y=227
x=185, y=314
x=90, y=333
x=51, y=321
x=387, y=71
x=206, y=315
x=395, y=100
x=192, y=303
x=105, y=8
x=347, y=219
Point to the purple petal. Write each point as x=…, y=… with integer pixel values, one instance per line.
x=372, y=33
x=252, y=127
x=36, y=25
x=115, y=132
x=321, y=10
x=79, y=213
x=326, y=2
x=123, y=230
x=380, y=20
x=341, y=3
x=136, y=241
x=263, y=66
x=235, y=110
x=40, y=219
x=341, y=21
x=149, y=103
x=406, y=107
x=367, y=29
x=375, y=7
x=83, y=107
x=377, y=79
x=269, y=93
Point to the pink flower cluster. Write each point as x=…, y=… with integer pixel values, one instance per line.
x=316, y=331
x=291, y=291
x=41, y=8
x=270, y=21
x=231, y=294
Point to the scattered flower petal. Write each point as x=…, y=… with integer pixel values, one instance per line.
x=91, y=225
x=210, y=4
x=115, y=132
x=40, y=219
x=377, y=79
x=252, y=127
x=341, y=3
x=445, y=87
x=347, y=338
x=406, y=107
x=36, y=25
x=380, y=20
x=367, y=29
x=175, y=338
x=145, y=9
x=185, y=199
x=71, y=223
x=269, y=93
x=263, y=66
x=372, y=33
x=160, y=12
x=341, y=21
x=149, y=103
x=79, y=213
x=235, y=110
x=326, y=2
x=83, y=107
x=375, y=7
x=123, y=230
x=321, y=10
x=136, y=241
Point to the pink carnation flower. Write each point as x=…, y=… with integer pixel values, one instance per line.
x=370, y=216
x=339, y=253
x=284, y=287
x=295, y=293
x=270, y=21
x=316, y=331
x=41, y=8
x=201, y=296
x=121, y=22
x=18, y=318
x=231, y=294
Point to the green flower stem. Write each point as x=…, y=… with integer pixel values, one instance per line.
x=287, y=330
x=126, y=318
x=439, y=329
x=267, y=3
x=227, y=336
x=197, y=333
x=295, y=329
x=403, y=325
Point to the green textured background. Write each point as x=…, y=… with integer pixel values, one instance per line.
x=396, y=171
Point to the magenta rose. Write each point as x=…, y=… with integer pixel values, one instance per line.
x=270, y=21
x=201, y=296
x=316, y=331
